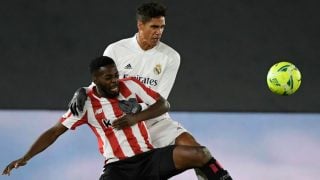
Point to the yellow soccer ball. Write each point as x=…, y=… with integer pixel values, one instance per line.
x=284, y=78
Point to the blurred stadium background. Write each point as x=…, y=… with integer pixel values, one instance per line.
x=220, y=94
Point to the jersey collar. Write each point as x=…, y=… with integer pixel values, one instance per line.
x=138, y=48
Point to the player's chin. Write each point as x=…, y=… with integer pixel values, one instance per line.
x=155, y=41
x=114, y=93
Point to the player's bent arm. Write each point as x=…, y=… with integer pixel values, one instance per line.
x=160, y=107
x=44, y=141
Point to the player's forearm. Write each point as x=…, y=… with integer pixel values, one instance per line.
x=160, y=107
x=44, y=141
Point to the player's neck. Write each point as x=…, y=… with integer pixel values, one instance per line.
x=96, y=92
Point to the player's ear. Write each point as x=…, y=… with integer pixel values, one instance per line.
x=139, y=24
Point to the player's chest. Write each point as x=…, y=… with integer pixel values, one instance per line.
x=143, y=66
x=106, y=112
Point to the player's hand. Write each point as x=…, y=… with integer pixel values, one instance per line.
x=14, y=164
x=78, y=100
x=130, y=106
x=124, y=121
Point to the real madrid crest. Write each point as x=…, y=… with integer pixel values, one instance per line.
x=157, y=69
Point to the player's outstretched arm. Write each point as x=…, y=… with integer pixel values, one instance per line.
x=44, y=141
x=160, y=107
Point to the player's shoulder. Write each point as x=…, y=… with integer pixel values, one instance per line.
x=169, y=51
x=121, y=43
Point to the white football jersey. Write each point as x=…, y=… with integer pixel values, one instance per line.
x=156, y=68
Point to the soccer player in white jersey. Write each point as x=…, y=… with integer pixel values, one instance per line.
x=155, y=64
x=128, y=151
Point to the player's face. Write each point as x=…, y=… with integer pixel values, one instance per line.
x=107, y=81
x=150, y=32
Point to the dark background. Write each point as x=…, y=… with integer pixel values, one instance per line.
x=226, y=48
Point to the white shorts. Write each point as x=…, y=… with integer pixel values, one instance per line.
x=165, y=131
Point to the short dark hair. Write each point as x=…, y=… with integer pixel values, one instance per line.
x=99, y=62
x=147, y=11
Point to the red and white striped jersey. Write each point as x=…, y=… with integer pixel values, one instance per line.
x=100, y=112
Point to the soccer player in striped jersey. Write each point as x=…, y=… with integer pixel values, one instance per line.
x=155, y=64
x=128, y=152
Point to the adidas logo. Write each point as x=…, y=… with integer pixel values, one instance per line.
x=128, y=66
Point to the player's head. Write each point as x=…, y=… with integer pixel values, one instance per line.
x=105, y=75
x=150, y=23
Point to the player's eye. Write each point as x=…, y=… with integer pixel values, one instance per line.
x=107, y=77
